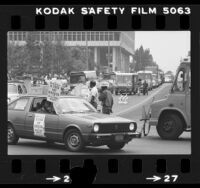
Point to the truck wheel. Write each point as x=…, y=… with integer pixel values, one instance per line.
x=170, y=126
x=116, y=146
x=73, y=140
x=12, y=138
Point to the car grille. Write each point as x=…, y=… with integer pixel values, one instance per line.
x=114, y=128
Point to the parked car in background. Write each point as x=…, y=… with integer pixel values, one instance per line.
x=146, y=75
x=15, y=89
x=125, y=83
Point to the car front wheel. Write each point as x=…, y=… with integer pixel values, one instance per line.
x=73, y=140
x=170, y=126
x=116, y=146
x=11, y=135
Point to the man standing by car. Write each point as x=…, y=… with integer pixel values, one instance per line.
x=106, y=98
x=93, y=94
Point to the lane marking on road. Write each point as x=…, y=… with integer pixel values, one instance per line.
x=139, y=104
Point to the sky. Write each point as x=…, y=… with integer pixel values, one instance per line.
x=166, y=47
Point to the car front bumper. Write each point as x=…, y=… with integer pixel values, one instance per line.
x=103, y=139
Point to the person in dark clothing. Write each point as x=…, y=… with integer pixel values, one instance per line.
x=145, y=88
x=106, y=98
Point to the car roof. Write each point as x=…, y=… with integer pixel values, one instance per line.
x=62, y=96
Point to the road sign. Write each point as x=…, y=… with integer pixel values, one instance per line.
x=54, y=91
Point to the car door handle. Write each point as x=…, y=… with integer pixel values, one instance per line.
x=30, y=115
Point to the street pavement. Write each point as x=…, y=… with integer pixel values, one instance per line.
x=151, y=144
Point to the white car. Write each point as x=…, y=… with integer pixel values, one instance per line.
x=15, y=90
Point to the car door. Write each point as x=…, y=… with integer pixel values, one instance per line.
x=40, y=124
x=17, y=114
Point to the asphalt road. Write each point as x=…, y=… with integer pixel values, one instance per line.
x=152, y=144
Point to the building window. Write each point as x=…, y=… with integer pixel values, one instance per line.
x=35, y=36
x=116, y=36
x=46, y=36
x=83, y=36
x=74, y=36
x=10, y=36
x=42, y=36
x=15, y=36
x=106, y=36
x=110, y=35
x=70, y=36
x=88, y=36
x=102, y=36
x=93, y=36
x=97, y=36
x=61, y=35
x=79, y=36
x=65, y=36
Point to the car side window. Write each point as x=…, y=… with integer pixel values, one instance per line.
x=19, y=104
x=41, y=105
x=180, y=83
x=20, y=91
x=36, y=104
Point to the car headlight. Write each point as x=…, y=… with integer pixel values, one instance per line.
x=133, y=127
x=96, y=128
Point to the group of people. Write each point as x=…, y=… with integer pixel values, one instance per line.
x=95, y=96
x=104, y=96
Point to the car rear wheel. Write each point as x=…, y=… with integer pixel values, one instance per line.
x=12, y=138
x=170, y=126
x=73, y=140
x=116, y=146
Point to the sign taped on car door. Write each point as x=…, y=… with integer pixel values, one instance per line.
x=54, y=91
x=39, y=125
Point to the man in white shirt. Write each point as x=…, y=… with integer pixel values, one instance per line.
x=93, y=94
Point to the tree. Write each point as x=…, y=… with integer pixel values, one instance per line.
x=142, y=59
x=17, y=59
x=47, y=56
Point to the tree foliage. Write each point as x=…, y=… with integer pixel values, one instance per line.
x=45, y=57
x=143, y=58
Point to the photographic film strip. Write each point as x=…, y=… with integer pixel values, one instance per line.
x=99, y=94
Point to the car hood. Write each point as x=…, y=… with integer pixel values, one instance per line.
x=101, y=118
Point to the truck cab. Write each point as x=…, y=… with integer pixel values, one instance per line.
x=172, y=115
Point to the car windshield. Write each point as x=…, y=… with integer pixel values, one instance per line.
x=12, y=88
x=73, y=105
x=74, y=79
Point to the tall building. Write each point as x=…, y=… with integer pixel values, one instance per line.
x=109, y=51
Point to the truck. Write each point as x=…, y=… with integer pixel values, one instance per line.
x=172, y=115
x=146, y=75
x=85, y=76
